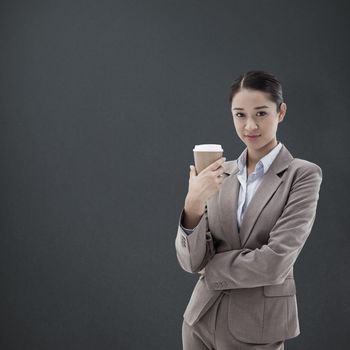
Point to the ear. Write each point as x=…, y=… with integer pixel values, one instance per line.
x=283, y=111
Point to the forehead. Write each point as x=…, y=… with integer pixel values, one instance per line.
x=251, y=98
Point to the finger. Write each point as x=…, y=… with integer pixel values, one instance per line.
x=221, y=177
x=216, y=164
x=219, y=180
x=219, y=171
x=192, y=171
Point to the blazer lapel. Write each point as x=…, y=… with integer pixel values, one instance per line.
x=228, y=198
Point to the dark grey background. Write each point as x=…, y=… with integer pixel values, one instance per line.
x=101, y=104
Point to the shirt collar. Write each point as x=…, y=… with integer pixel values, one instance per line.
x=264, y=163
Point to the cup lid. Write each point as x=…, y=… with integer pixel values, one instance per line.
x=208, y=147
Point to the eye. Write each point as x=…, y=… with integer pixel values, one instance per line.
x=239, y=115
x=262, y=115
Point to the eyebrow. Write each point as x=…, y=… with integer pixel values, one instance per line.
x=242, y=109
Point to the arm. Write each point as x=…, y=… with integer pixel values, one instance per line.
x=195, y=250
x=270, y=264
x=188, y=231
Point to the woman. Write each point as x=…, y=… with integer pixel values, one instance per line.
x=242, y=228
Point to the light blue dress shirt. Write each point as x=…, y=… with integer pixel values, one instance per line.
x=248, y=185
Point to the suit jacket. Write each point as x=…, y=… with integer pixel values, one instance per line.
x=254, y=263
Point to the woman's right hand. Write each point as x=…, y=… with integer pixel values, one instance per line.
x=204, y=185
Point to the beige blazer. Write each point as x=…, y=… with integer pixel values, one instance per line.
x=256, y=262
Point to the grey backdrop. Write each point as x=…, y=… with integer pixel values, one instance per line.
x=101, y=103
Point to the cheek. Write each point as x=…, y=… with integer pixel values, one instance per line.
x=237, y=127
x=269, y=126
x=274, y=126
x=236, y=122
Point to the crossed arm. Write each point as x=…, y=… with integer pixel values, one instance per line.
x=270, y=264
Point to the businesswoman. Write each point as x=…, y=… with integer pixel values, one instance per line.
x=242, y=228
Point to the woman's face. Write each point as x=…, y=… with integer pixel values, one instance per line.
x=254, y=114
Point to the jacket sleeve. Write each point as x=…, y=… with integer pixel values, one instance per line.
x=194, y=250
x=188, y=231
x=270, y=264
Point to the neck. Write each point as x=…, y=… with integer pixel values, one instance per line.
x=254, y=155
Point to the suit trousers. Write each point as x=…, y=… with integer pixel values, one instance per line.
x=212, y=332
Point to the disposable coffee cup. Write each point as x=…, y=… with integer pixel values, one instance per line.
x=206, y=154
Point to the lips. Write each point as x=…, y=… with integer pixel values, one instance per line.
x=251, y=138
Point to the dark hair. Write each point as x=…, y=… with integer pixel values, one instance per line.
x=261, y=81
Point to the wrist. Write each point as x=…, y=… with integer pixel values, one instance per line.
x=194, y=206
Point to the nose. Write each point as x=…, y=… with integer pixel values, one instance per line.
x=250, y=125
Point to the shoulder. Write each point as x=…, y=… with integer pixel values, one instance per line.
x=304, y=167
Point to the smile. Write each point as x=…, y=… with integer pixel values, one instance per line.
x=252, y=137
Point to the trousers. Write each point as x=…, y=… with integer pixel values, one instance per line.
x=211, y=332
